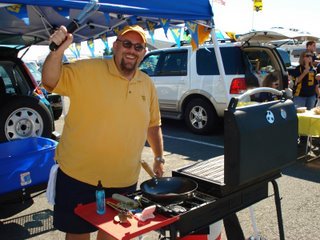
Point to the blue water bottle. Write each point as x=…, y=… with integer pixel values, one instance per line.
x=100, y=199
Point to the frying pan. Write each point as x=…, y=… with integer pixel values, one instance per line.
x=167, y=189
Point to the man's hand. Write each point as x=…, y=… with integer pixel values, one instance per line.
x=158, y=168
x=62, y=39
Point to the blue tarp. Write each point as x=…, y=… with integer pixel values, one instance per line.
x=39, y=17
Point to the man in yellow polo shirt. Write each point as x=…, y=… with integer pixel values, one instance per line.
x=113, y=111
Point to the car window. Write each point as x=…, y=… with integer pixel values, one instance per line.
x=285, y=56
x=13, y=79
x=149, y=64
x=34, y=70
x=8, y=84
x=231, y=57
x=172, y=63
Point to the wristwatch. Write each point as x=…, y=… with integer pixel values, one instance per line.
x=160, y=159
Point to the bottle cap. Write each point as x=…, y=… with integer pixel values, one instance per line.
x=99, y=184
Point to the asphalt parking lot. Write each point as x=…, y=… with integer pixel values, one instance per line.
x=299, y=190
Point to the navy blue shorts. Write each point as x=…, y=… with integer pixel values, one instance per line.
x=71, y=192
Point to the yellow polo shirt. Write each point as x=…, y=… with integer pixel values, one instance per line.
x=106, y=127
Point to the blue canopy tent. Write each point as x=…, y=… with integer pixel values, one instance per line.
x=40, y=17
x=37, y=19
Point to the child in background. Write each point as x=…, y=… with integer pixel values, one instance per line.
x=271, y=81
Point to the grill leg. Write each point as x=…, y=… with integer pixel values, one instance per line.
x=232, y=227
x=173, y=232
x=278, y=207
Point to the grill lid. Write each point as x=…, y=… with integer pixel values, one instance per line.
x=259, y=140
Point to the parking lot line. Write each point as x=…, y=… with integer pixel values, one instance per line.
x=194, y=141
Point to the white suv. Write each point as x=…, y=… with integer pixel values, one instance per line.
x=190, y=87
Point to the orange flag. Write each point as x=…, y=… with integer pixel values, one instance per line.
x=203, y=35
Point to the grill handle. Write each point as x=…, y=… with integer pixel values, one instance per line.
x=286, y=94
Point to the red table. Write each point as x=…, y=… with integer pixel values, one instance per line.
x=129, y=230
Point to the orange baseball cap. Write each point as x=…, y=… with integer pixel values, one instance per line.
x=134, y=28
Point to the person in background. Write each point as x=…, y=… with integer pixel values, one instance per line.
x=306, y=82
x=113, y=111
x=311, y=47
x=271, y=81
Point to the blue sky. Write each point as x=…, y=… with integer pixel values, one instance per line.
x=238, y=15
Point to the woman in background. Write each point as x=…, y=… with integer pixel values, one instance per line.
x=306, y=82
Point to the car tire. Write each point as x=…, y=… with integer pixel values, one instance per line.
x=201, y=117
x=24, y=116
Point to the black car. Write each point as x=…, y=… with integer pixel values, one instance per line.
x=54, y=99
x=24, y=109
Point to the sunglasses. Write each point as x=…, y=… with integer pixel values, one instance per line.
x=127, y=44
x=308, y=55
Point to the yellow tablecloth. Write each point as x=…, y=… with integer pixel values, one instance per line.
x=309, y=124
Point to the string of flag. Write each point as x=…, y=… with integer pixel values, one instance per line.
x=193, y=32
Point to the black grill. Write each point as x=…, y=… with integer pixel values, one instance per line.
x=255, y=148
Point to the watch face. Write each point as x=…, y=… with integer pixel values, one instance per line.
x=160, y=159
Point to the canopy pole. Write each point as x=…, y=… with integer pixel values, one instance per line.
x=218, y=56
x=220, y=63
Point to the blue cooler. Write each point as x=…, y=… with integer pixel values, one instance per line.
x=25, y=163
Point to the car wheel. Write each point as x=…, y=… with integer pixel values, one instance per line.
x=200, y=116
x=24, y=116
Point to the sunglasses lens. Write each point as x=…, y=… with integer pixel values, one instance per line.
x=126, y=44
x=138, y=47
